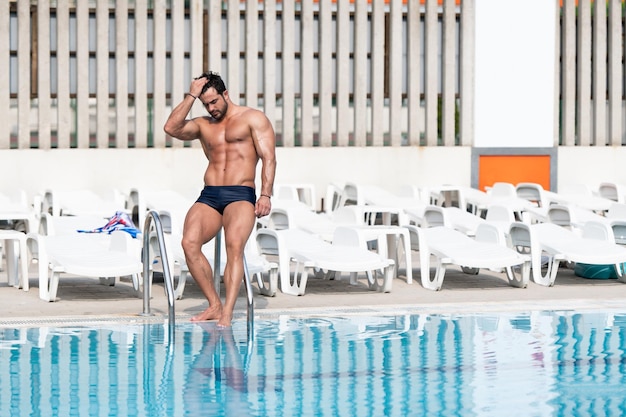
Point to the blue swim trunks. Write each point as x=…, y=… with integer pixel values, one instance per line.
x=219, y=197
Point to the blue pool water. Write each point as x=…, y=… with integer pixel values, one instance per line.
x=543, y=363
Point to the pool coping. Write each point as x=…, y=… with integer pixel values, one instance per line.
x=613, y=304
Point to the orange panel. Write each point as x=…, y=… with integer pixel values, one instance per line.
x=513, y=169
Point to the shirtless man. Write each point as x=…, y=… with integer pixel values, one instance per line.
x=234, y=138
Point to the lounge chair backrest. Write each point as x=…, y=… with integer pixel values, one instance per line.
x=608, y=190
x=532, y=192
x=503, y=189
x=598, y=230
x=499, y=213
x=278, y=219
x=560, y=215
x=434, y=216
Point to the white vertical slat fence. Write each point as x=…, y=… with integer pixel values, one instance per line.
x=414, y=72
x=448, y=95
x=377, y=102
x=431, y=69
x=43, y=75
x=287, y=76
x=342, y=63
x=121, y=71
x=102, y=75
x=397, y=125
x=616, y=72
x=306, y=73
x=360, y=101
x=141, y=64
x=64, y=111
x=269, y=65
x=325, y=63
x=252, y=53
x=327, y=72
x=599, y=68
x=584, y=73
x=177, y=56
x=568, y=78
x=233, y=49
x=466, y=79
x=81, y=65
x=159, y=59
x=23, y=74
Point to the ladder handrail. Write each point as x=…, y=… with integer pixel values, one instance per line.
x=169, y=286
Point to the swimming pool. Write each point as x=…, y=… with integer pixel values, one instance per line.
x=540, y=363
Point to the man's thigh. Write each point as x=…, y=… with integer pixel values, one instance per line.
x=202, y=223
x=238, y=220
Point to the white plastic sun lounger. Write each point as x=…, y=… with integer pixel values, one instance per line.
x=560, y=244
x=452, y=247
x=85, y=255
x=311, y=254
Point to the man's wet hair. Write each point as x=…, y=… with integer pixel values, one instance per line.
x=213, y=81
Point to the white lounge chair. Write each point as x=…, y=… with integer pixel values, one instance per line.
x=87, y=255
x=391, y=241
x=311, y=254
x=452, y=247
x=560, y=244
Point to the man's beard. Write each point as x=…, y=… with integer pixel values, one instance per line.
x=220, y=113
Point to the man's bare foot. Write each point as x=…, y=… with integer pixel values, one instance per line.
x=211, y=313
x=225, y=320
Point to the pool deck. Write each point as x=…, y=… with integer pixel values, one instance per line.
x=85, y=299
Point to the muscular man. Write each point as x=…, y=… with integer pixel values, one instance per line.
x=234, y=138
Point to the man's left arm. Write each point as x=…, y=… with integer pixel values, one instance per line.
x=265, y=144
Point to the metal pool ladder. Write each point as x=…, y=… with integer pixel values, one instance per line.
x=169, y=284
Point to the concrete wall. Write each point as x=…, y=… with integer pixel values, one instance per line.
x=183, y=168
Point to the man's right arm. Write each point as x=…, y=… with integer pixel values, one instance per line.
x=177, y=124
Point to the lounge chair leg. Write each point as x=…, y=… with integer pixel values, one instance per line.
x=470, y=271
x=520, y=278
x=436, y=282
x=300, y=277
x=387, y=276
x=271, y=287
x=54, y=285
x=108, y=281
x=180, y=287
x=549, y=277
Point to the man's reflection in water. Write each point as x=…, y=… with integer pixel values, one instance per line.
x=217, y=379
